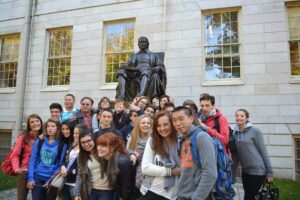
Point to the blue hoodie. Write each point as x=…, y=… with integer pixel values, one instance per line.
x=45, y=162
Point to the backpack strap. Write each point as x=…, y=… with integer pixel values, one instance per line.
x=41, y=142
x=217, y=123
x=194, y=148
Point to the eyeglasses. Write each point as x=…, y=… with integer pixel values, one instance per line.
x=86, y=142
x=143, y=102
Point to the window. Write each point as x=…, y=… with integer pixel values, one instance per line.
x=119, y=47
x=59, y=56
x=294, y=39
x=5, y=146
x=9, y=54
x=222, y=47
x=297, y=158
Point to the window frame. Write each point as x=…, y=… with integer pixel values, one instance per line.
x=224, y=81
x=289, y=4
x=297, y=159
x=104, y=84
x=47, y=87
x=2, y=37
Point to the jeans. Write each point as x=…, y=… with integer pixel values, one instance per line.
x=39, y=192
x=67, y=192
x=102, y=194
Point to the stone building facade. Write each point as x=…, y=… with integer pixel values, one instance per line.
x=245, y=52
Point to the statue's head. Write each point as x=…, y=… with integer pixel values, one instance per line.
x=143, y=43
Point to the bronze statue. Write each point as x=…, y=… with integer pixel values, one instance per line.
x=144, y=74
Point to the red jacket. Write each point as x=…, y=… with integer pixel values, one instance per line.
x=15, y=156
x=223, y=136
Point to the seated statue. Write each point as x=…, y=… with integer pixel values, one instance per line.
x=144, y=74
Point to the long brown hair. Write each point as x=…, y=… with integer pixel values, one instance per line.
x=110, y=167
x=158, y=142
x=84, y=155
x=28, y=129
x=136, y=132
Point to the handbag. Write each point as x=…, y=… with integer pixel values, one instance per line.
x=231, y=141
x=268, y=192
x=6, y=165
x=55, y=185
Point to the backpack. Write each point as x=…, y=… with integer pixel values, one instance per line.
x=223, y=186
x=6, y=165
x=231, y=143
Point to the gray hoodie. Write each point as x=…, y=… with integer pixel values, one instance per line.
x=252, y=152
x=197, y=183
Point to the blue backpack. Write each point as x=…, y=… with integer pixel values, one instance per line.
x=223, y=186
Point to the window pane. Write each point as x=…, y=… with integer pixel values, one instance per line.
x=227, y=72
x=59, y=60
x=119, y=47
x=226, y=61
x=236, y=72
x=295, y=57
x=9, y=54
x=222, y=45
x=294, y=32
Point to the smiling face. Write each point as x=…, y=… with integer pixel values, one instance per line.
x=119, y=107
x=87, y=143
x=55, y=114
x=241, y=118
x=105, y=104
x=142, y=103
x=149, y=111
x=65, y=130
x=34, y=124
x=145, y=125
x=164, y=126
x=69, y=102
x=162, y=102
x=181, y=121
x=76, y=135
x=86, y=106
x=105, y=119
x=155, y=102
x=104, y=151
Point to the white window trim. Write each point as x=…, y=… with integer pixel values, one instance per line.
x=231, y=81
x=53, y=88
x=56, y=88
x=291, y=3
x=102, y=75
x=296, y=137
x=8, y=90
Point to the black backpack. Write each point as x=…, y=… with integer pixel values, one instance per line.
x=231, y=143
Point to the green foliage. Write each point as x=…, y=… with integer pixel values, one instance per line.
x=288, y=189
x=7, y=182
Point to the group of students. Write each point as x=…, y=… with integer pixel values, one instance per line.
x=143, y=152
